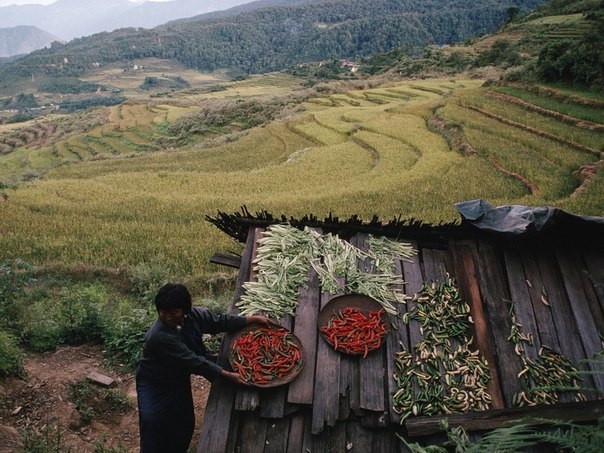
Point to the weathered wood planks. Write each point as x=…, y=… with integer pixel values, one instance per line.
x=470, y=291
x=340, y=402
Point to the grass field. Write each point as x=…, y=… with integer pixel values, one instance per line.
x=114, y=197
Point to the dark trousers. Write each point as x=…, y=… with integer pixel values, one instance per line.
x=166, y=414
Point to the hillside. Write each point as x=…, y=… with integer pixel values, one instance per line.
x=271, y=39
x=403, y=148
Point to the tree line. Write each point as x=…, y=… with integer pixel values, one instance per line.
x=275, y=38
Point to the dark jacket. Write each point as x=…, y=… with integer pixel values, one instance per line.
x=170, y=354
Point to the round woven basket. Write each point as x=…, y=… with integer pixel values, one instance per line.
x=360, y=302
x=291, y=337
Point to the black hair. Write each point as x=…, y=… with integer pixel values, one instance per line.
x=173, y=295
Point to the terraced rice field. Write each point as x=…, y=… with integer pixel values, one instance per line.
x=410, y=150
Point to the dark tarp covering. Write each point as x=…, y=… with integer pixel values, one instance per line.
x=516, y=219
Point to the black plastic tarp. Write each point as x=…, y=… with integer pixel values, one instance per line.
x=517, y=219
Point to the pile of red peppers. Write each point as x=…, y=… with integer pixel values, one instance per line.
x=354, y=331
x=266, y=356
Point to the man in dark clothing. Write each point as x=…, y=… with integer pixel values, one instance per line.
x=173, y=350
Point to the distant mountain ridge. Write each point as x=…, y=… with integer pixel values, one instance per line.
x=267, y=38
x=23, y=39
x=69, y=19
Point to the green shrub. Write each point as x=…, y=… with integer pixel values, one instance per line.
x=515, y=74
x=526, y=435
x=124, y=336
x=75, y=314
x=41, y=335
x=146, y=278
x=14, y=276
x=48, y=440
x=91, y=400
x=72, y=316
x=11, y=358
x=81, y=319
x=68, y=85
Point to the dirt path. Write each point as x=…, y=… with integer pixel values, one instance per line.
x=39, y=405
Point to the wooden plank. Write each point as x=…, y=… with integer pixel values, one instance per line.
x=101, y=379
x=252, y=436
x=372, y=373
x=226, y=260
x=469, y=291
x=350, y=399
x=536, y=290
x=412, y=274
x=372, y=368
x=299, y=438
x=257, y=236
x=245, y=269
x=332, y=439
x=373, y=419
x=272, y=402
x=214, y=435
x=248, y=398
x=398, y=338
x=305, y=328
x=386, y=441
x=592, y=277
x=277, y=435
x=486, y=420
x=521, y=298
x=435, y=269
x=358, y=438
x=327, y=379
x=581, y=313
x=562, y=315
x=496, y=297
x=414, y=281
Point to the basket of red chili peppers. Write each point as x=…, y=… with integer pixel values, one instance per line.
x=353, y=324
x=266, y=356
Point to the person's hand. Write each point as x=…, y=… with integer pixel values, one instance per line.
x=263, y=320
x=232, y=376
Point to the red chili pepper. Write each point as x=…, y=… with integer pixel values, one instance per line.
x=269, y=353
x=354, y=331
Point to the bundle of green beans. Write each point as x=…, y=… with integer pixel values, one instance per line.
x=442, y=375
x=384, y=251
x=546, y=377
x=286, y=254
x=339, y=259
x=282, y=264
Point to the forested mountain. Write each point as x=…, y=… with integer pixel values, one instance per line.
x=276, y=37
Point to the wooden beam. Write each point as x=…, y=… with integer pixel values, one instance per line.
x=497, y=418
x=226, y=260
x=470, y=291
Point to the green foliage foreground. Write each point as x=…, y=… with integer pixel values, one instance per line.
x=527, y=435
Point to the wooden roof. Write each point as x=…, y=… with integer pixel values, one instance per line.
x=341, y=403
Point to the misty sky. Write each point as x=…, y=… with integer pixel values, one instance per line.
x=46, y=2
